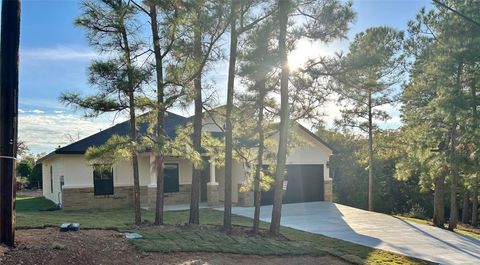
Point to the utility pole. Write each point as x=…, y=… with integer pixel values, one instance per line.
x=10, y=39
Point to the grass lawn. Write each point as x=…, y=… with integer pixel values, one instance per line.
x=201, y=240
x=29, y=215
x=459, y=230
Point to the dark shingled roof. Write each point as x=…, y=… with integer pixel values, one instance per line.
x=172, y=121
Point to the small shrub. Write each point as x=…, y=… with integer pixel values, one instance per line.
x=417, y=211
x=21, y=183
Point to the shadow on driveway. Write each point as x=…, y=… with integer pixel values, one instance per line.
x=375, y=230
x=459, y=248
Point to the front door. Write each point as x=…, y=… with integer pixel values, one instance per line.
x=171, y=183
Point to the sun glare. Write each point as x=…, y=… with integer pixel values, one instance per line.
x=304, y=50
x=296, y=61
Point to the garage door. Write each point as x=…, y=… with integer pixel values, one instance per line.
x=305, y=184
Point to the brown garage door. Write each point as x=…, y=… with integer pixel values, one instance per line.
x=305, y=184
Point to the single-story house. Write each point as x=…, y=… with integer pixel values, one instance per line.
x=71, y=182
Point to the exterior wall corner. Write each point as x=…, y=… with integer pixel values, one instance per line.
x=213, y=194
x=328, y=190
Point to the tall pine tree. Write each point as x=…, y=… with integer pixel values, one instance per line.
x=111, y=28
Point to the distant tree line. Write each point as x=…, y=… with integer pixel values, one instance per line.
x=29, y=172
x=430, y=166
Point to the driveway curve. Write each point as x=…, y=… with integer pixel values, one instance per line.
x=375, y=230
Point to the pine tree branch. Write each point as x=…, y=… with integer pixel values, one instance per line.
x=458, y=13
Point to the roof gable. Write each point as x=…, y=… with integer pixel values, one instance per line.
x=172, y=121
x=316, y=137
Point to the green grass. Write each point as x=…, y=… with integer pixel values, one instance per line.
x=31, y=214
x=198, y=240
x=415, y=220
x=28, y=204
x=428, y=222
x=467, y=233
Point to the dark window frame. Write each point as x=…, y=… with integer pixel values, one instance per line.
x=103, y=181
x=51, y=179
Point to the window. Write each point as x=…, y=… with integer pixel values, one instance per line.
x=171, y=178
x=103, y=180
x=51, y=179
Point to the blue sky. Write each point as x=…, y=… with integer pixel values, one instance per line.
x=54, y=56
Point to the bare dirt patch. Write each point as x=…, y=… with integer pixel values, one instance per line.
x=469, y=228
x=237, y=230
x=49, y=246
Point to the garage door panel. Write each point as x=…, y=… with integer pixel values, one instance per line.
x=312, y=176
x=295, y=188
x=305, y=183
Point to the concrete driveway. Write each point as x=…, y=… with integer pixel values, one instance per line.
x=375, y=230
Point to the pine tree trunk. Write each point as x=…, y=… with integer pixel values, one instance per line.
x=474, y=127
x=159, y=160
x=465, y=208
x=370, y=153
x=452, y=223
x=284, y=6
x=257, y=192
x=475, y=203
x=439, y=200
x=194, y=217
x=197, y=136
x=136, y=188
x=227, y=213
x=133, y=128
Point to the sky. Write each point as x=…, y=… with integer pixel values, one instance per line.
x=54, y=57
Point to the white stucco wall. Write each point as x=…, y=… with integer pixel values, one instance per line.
x=56, y=164
x=78, y=174
x=310, y=152
x=238, y=177
x=123, y=172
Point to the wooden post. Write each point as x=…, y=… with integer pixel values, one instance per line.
x=10, y=39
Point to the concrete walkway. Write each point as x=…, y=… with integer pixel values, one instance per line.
x=375, y=230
